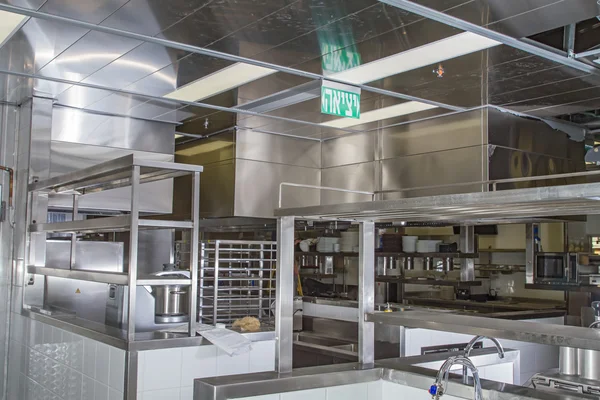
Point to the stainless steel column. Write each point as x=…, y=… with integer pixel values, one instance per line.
x=284, y=309
x=193, y=290
x=529, y=254
x=467, y=245
x=366, y=293
x=133, y=252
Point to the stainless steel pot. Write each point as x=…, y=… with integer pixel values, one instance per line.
x=171, y=300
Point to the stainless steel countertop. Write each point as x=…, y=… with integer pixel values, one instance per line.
x=401, y=371
x=118, y=338
x=529, y=310
x=523, y=331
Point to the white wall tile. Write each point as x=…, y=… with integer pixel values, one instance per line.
x=89, y=357
x=160, y=369
x=358, y=391
x=187, y=393
x=314, y=394
x=528, y=359
x=197, y=362
x=100, y=391
x=87, y=388
x=499, y=373
x=114, y=394
x=140, y=373
x=375, y=390
x=116, y=372
x=162, y=394
x=102, y=363
x=266, y=397
x=262, y=356
x=232, y=365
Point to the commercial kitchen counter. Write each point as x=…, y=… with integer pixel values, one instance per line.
x=389, y=379
x=502, y=309
x=143, y=340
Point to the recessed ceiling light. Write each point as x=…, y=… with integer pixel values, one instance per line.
x=383, y=113
x=219, y=82
x=429, y=54
x=9, y=22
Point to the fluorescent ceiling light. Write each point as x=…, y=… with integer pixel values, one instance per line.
x=220, y=81
x=432, y=53
x=383, y=113
x=8, y=23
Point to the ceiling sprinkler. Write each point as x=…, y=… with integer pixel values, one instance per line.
x=206, y=123
x=439, y=71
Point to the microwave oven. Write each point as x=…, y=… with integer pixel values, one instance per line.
x=556, y=268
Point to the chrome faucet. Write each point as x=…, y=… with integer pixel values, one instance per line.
x=441, y=382
x=595, y=324
x=470, y=346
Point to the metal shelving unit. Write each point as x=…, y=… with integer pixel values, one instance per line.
x=129, y=171
x=236, y=279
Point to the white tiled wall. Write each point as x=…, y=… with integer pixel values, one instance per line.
x=50, y=363
x=534, y=357
x=168, y=374
x=504, y=372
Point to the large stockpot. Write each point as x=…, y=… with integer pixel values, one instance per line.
x=171, y=300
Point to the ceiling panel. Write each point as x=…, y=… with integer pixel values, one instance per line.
x=150, y=17
x=117, y=103
x=135, y=65
x=220, y=18
x=154, y=108
x=33, y=4
x=88, y=55
x=81, y=97
x=93, y=11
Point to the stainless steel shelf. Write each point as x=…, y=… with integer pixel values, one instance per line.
x=469, y=208
x=522, y=331
x=115, y=278
x=107, y=224
x=430, y=282
x=113, y=174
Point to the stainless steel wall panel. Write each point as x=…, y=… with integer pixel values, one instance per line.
x=257, y=187
x=361, y=176
x=116, y=103
x=438, y=134
x=439, y=168
x=508, y=130
x=75, y=126
x=81, y=97
x=277, y=149
x=41, y=137
x=217, y=197
x=351, y=149
x=86, y=299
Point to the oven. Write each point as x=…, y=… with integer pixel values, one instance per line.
x=556, y=268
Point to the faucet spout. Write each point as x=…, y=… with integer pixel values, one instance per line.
x=472, y=344
x=438, y=389
x=595, y=324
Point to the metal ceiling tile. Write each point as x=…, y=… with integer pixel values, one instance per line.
x=81, y=97
x=88, y=55
x=154, y=108
x=288, y=23
x=150, y=17
x=33, y=4
x=93, y=11
x=196, y=66
x=183, y=113
x=116, y=103
x=40, y=41
x=220, y=18
x=135, y=65
x=45, y=88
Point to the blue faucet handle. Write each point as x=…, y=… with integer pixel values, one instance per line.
x=433, y=390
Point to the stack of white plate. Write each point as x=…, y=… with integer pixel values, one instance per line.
x=348, y=241
x=326, y=244
x=409, y=244
x=428, y=246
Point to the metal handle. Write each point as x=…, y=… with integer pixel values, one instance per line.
x=178, y=292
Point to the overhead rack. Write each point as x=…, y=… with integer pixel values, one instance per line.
x=468, y=208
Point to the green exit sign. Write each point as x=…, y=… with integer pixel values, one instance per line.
x=340, y=100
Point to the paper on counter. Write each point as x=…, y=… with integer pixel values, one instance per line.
x=232, y=343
